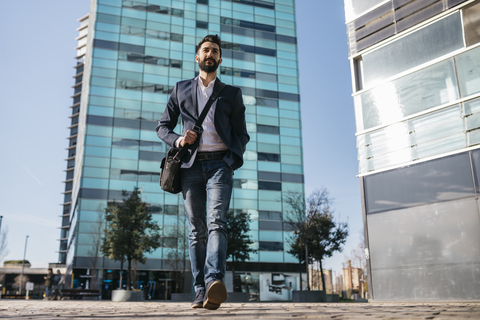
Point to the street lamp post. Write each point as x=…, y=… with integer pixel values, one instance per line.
x=23, y=265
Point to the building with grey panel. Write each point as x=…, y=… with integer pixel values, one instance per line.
x=416, y=77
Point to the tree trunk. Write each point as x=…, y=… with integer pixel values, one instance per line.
x=184, y=266
x=318, y=275
x=129, y=270
x=233, y=272
x=306, y=263
x=300, y=264
x=323, y=278
x=121, y=274
x=94, y=277
x=134, y=267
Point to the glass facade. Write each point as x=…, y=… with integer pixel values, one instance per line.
x=416, y=98
x=130, y=55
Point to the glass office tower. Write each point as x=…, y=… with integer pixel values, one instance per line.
x=416, y=78
x=130, y=55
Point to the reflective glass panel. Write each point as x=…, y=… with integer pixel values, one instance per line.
x=418, y=138
x=428, y=43
x=468, y=68
x=427, y=88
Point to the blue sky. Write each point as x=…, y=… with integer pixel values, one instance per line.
x=37, y=50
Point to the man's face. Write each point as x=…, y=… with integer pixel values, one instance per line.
x=208, y=57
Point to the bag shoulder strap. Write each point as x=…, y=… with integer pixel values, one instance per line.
x=198, y=125
x=216, y=91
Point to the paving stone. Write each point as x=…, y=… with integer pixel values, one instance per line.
x=39, y=309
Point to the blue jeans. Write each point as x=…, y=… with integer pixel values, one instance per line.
x=48, y=292
x=207, y=189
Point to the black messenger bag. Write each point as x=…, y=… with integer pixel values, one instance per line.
x=170, y=174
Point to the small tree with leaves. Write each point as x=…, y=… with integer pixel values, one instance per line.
x=130, y=230
x=239, y=241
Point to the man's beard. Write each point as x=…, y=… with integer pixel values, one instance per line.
x=208, y=69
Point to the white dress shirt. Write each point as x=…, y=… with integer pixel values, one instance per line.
x=209, y=139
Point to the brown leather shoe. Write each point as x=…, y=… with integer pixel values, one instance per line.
x=215, y=295
x=199, y=297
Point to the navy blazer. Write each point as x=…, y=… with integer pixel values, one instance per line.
x=229, y=120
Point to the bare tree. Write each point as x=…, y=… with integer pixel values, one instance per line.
x=17, y=281
x=95, y=250
x=177, y=257
x=3, y=243
x=357, y=256
x=296, y=219
x=358, y=260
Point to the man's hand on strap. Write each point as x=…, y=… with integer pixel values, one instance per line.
x=189, y=138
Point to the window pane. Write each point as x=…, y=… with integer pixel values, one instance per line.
x=433, y=181
x=270, y=225
x=270, y=246
x=468, y=66
x=419, y=91
x=418, y=138
x=421, y=46
x=270, y=215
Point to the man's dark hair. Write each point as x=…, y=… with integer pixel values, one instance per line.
x=50, y=269
x=213, y=39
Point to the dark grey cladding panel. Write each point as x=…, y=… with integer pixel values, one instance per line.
x=414, y=7
x=375, y=26
x=434, y=234
x=452, y=3
x=373, y=15
x=376, y=37
x=438, y=282
x=420, y=16
x=426, y=252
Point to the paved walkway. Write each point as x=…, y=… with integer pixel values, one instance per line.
x=36, y=309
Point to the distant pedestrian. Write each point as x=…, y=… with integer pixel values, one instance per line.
x=48, y=283
x=57, y=285
x=161, y=291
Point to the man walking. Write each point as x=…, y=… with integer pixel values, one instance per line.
x=48, y=283
x=216, y=149
x=58, y=282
